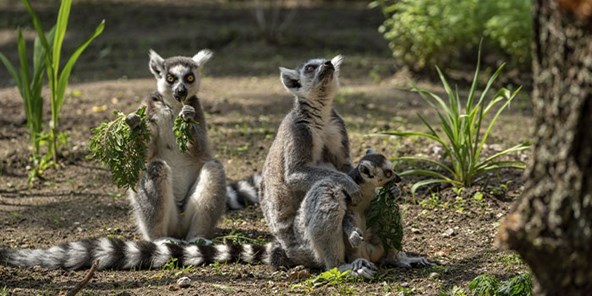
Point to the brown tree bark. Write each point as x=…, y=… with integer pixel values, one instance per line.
x=551, y=225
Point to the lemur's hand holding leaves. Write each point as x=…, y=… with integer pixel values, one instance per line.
x=187, y=113
x=133, y=120
x=182, y=127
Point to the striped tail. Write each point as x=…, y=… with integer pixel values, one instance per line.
x=240, y=194
x=115, y=253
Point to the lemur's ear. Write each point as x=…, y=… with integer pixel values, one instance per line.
x=365, y=168
x=156, y=64
x=370, y=151
x=336, y=61
x=203, y=56
x=290, y=78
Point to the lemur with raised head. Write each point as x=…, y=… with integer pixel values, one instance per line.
x=181, y=194
x=305, y=187
x=373, y=171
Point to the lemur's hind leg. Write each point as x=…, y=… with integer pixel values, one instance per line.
x=321, y=219
x=206, y=201
x=153, y=202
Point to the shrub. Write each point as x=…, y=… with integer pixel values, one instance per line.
x=425, y=32
x=459, y=134
x=489, y=285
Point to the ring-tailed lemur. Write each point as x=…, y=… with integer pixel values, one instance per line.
x=181, y=194
x=242, y=193
x=373, y=171
x=305, y=185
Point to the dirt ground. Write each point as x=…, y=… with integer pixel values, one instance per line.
x=244, y=103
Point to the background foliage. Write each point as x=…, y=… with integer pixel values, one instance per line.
x=422, y=33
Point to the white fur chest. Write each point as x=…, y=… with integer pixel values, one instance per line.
x=330, y=138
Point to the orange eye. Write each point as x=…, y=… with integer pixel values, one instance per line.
x=388, y=174
x=190, y=78
x=170, y=78
x=310, y=68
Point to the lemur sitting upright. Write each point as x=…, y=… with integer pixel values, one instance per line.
x=305, y=181
x=373, y=171
x=180, y=195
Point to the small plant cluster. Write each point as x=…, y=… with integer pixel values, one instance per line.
x=384, y=216
x=332, y=277
x=459, y=134
x=425, y=32
x=47, y=52
x=489, y=285
x=121, y=148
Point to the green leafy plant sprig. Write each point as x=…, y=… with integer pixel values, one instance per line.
x=121, y=148
x=384, y=216
x=489, y=285
x=183, y=134
x=459, y=134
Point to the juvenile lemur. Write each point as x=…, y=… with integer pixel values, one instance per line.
x=373, y=171
x=180, y=195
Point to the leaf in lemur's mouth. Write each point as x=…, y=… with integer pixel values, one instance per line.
x=182, y=130
x=121, y=148
x=384, y=214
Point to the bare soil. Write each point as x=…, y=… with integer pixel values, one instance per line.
x=244, y=102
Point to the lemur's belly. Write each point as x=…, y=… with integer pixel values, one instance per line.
x=184, y=169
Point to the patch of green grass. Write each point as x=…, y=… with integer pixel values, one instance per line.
x=454, y=291
x=333, y=278
x=489, y=285
x=511, y=260
x=431, y=202
x=4, y=291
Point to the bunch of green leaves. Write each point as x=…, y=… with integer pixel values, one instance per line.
x=425, y=32
x=58, y=80
x=121, y=148
x=183, y=133
x=459, y=134
x=384, y=217
x=489, y=285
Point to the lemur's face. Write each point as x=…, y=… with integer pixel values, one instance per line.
x=178, y=77
x=377, y=170
x=315, y=78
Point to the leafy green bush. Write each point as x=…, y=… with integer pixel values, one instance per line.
x=425, y=32
x=459, y=134
x=58, y=80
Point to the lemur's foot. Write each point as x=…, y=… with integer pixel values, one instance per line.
x=187, y=113
x=408, y=262
x=360, y=267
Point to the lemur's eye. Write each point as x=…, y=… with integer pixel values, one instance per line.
x=310, y=68
x=190, y=78
x=388, y=173
x=170, y=78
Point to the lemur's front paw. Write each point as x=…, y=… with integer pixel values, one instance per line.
x=356, y=237
x=133, y=120
x=187, y=113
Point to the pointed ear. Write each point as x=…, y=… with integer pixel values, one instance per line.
x=336, y=61
x=290, y=78
x=156, y=64
x=365, y=168
x=202, y=57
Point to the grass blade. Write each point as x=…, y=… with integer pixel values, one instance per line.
x=65, y=74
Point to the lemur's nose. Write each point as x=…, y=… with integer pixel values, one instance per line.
x=328, y=63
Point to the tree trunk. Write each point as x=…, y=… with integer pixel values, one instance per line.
x=551, y=225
